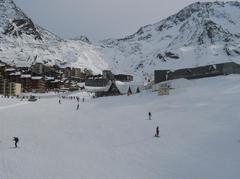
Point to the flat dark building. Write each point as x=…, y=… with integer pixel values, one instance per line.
x=198, y=72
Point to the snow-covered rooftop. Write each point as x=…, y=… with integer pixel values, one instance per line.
x=10, y=69
x=26, y=76
x=15, y=74
x=37, y=77
x=49, y=78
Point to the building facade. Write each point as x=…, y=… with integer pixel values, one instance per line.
x=10, y=88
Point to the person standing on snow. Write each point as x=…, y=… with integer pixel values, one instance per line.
x=157, y=132
x=78, y=107
x=150, y=115
x=16, y=140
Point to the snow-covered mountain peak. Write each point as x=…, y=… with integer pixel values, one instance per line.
x=14, y=22
x=83, y=39
x=201, y=33
x=206, y=14
x=24, y=43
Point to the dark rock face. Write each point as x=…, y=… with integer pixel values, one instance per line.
x=148, y=36
x=160, y=56
x=167, y=55
x=22, y=26
x=171, y=55
x=14, y=22
x=83, y=39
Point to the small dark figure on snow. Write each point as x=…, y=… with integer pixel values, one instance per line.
x=59, y=101
x=16, y=139
x=78, y=107
x=83, y=100
x=157, y=132
x=150, y=115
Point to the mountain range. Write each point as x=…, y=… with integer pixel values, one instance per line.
x=24, y=43
x=202, y=33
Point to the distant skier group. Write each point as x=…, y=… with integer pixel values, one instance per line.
x=16, y=139
x=71, y=97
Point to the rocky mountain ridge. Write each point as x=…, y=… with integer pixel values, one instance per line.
x=24, y=43
x=202, y=33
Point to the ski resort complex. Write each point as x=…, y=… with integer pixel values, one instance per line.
x=161, y=103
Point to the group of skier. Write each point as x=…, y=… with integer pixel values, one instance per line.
x=16, y=139
x=72, y=97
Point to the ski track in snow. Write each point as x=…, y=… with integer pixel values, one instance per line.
x=14, y=105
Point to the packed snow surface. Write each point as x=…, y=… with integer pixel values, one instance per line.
x=112, y=138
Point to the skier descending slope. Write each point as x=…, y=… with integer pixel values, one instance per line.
x=16, y=140
x=150, y=115
x=157, y=132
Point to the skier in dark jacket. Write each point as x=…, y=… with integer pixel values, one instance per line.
x=157, y=132
x=150, y=115
x=16, y=140
x=78, y=107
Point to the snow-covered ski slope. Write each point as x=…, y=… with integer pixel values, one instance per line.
x=112, y=138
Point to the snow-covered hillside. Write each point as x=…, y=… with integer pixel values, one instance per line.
x=23, y=43
x=202, y=33
x=112, y=138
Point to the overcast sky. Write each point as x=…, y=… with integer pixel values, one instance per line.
x=98, y=19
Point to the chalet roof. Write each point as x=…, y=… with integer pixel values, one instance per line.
x=134, y=88
x=123, y=87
